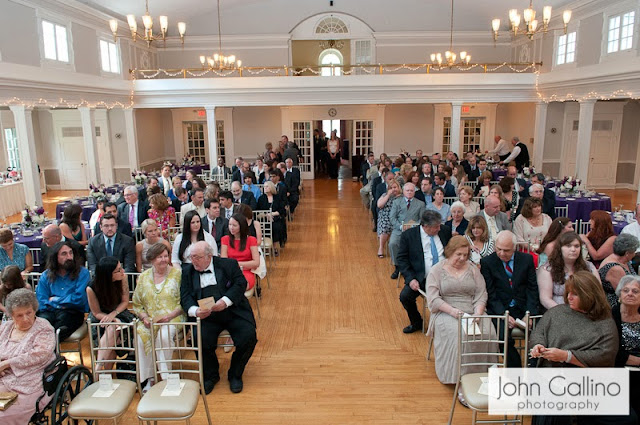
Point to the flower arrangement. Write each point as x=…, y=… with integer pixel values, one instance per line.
x=528, y=171
x=188, y=160
x=33, y=216
x=97, y=192
x=140, y=177
x=568, y=184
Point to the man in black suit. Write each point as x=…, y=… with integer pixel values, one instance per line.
x=292, y=181
x=412, y=260
x=221, y=279
x=238, y=174
x=364, y=167
x=243, y=196
x=440, y=180
x=134, y=211
x=212, y=222
x=291, y=152
x=511, y=282
x=111, y=244
x=51, y=235
x=425, y=192
x=472, y=169
x=521, y=184
x=124, y=228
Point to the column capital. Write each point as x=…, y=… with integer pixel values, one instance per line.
x=588, y=101
x=457, y=103
x=210, y=107
x=86, y=108
x=20, y=108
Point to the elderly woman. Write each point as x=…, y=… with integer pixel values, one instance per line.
x=157, y=298
x=565, y=260
x=532, y=224
x=161, y=212
x=15, y=254
x=458, y=223
x=439, y=205
x=558, y=226
x=385, y=202
x=471, y=207
x=71, y=224
x=479, y=239
x=176, y=182
x=192, y=232
x=599, y=240
x=616, y=266
x=10, y=280
x=27, y=345
x=152, y=236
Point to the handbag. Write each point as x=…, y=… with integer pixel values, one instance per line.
x=261, y=270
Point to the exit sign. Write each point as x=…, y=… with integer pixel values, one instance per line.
x=202, y=113
x=466, y=109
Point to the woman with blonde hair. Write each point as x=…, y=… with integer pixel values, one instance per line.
x=152, y=235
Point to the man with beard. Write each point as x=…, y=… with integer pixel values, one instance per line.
x=61, y=291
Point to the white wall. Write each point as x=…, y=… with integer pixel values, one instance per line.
x=629, y=140
x=252, y=128
x=152, y=133
x=516, y=119
x=408, y=127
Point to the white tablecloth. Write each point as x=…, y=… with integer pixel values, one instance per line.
x=12, y=199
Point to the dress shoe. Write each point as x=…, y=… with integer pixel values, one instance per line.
x=210, y=383
x=235, y=384
x=412, y=328
x=395, y=274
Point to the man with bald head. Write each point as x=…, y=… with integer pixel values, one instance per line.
x=405, y=209
x=51, y=235
x=501, y=149
x=496, y=219
x=213, y=289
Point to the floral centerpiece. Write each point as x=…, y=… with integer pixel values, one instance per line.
x=33, y=216
x=140, y=177
x=528, y=171
x=97, y=192
x=188, y=160
x=568, y=184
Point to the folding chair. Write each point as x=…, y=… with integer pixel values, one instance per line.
x=521, y=336
x=473, y=184
x=117, y=336
x=266, y=226
x=153, y=406
x=137, y=234
x=172, y=232
x=425, y=322
x=36, y=253
x=32, y=279
x=562, y=211
x=584, y=227
x=449, y=200
x=407, y=226
x=75, y=338
x=132, y=280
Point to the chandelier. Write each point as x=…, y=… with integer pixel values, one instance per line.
x=147, y=21
x=218, y=60
x=531, y=24
x=449, y=56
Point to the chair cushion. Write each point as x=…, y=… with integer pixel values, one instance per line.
x=154, y=405
x=267, y=242
x=79, y=334
x=517, y=333
x=87, y=406
x=469, y=386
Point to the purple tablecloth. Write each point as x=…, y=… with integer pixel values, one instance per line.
x=35, y=240
x=87, y=210
x=580, y=208
x=618, y=225
x=498, y=173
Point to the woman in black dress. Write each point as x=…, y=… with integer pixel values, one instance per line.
x=270, y=200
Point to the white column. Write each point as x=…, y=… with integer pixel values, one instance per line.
x=88, y=119
x=539, y=132
x=456, y=112
x=212, y=136
x=132, y=143
x=583, y=151
x=28, y=157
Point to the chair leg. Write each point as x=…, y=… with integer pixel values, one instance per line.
x=455, y=400
x=474, y=418
x=430, y=348
x=80, y=353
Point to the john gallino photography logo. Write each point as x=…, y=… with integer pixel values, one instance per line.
x=558, y=391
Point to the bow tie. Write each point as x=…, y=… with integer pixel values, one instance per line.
x=205, y=271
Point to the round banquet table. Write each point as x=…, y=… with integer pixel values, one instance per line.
x=498, y=173
x=87, y=210
x=13, y=200
x=580, y=208
x=35, y=240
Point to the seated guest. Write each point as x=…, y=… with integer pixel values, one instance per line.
x=479, y=239
x=51, y=235
x=405, y=209
x=616, y=266
x=255, y=229
x=471, y=207
x=439, y=180
x=176, y=183
x=425, y=194
x=558, y=227
x=634, y=229
x=414, y=178
x=450, y=177
x=27, y=345
x=157, y=298
x=152, y=189
x=385, y=202
x=455, y=287
x=472, y=169
x=496, y=190
x=241, y=196
x=548, y=197
x=231, y=311
x=162, y=213
x=510, y=197
x=196, y=204
x=165, y=182
x=197, y=183
x=123, y=226
x=134, y=211
x=71, y=224
x=484, y=184
x=95, y=217
x=415, y=264
x=519, y=184
x=242, y=247
x=212, y=191
x=260, y=167
x=599, y=240
x=181, y=199
x=511, y=284
x=278, y=179
x=266, y=174
x=152, y=236
x=292, y=180
x=187, y=184
x=438, y=205
x=227, y=207
x=250, y=185
x=482, y=167
x=565, y=260
x=108, y=297
x=14, y=254
x=460, y=176
x=497, y=221
x=192, y=232
x=10, y=280
x=240, y=171
x=213, y=223
x=458, y=223
x=426, y=171
x=269, y=200
x=61, y=290
x=111, y=244
x=532, y=224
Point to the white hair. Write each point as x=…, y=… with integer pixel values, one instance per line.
x=458, y=204
x=507, y=235
x=534, y=187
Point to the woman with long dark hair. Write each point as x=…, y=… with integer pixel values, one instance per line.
x=599, y=240
x=558, y=226
x=192, y=232
x=71, y=225
x=242, y=247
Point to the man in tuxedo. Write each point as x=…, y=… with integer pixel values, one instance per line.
x=51, y=235
x=238, y=174
x=182, y=198
x=243, y=196
x=123, y=227
x=440, y=180
x=472, y=169
x=197, y=203
x=110, y=243
x=521, y=184
x=405, y=209
x=227, y=207
x=497, y=221
x=420, y=248
x=134, y=211
x=164, y=181
x=425, y=194
x=221, y=279
x=292, y=181
x=212, y=222
x=511, y=282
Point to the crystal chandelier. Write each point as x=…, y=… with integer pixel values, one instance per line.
x=147, y=21
x=531, y=24
x=449, y=58
x=218, y=60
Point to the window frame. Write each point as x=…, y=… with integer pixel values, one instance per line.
x=556, y=50
x=337, y=72
x=55, y=20
x=109, y=40
x=620, y=10
x=12, y=152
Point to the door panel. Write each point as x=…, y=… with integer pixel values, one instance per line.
x=303, y=137
x=73, y=173
x=602, y=162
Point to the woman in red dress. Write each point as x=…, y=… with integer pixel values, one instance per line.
x=241, y=247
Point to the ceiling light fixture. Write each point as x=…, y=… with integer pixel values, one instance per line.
x=531, y=24
x=147, y=22
x=450, y=57
x=218, y=60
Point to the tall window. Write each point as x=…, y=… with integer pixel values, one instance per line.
x=446, y=134
x=471, y=134
x=109, y=57
x=329, y=125
x=12, y=147
x=566, y=48
x=196, y=141
x=620, y=34
x=331, y=57
x=220, y=138
x=56, y=44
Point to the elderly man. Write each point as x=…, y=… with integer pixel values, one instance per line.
x=292, y=181
x=243, y=196
x=511, y=282
x=164, y=181
x=420, y=248
x=497, y=221
x=405, y=209
x=197, y=203
x=213, y=289
x=501, y=149
x=134, y=211
x=51, y=235
x=62, y=290
x=110, y=243
x=435, y=161
x=237, y=164
x=519, y=154
x=238, y=175
x=537, y=190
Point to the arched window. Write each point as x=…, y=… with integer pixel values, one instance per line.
x=331, y=57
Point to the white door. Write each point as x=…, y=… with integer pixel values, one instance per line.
x=73, y=173
x=303, y=137
x=471, y=134
x=604, y=151
x=362, y=137
x=196, y=140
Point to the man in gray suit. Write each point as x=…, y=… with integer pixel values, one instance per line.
x=110, y=243
x=497, y=221
x=404, y=209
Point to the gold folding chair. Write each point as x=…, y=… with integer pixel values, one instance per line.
x=521, y=336
x=406, y=226
x=75, y=338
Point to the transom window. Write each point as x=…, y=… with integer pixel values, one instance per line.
x=109, y=57
x=55, y=40
x=566, y=48
x=620, y=34
x=331, y=25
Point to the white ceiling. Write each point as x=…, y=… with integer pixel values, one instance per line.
x=281, y=16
